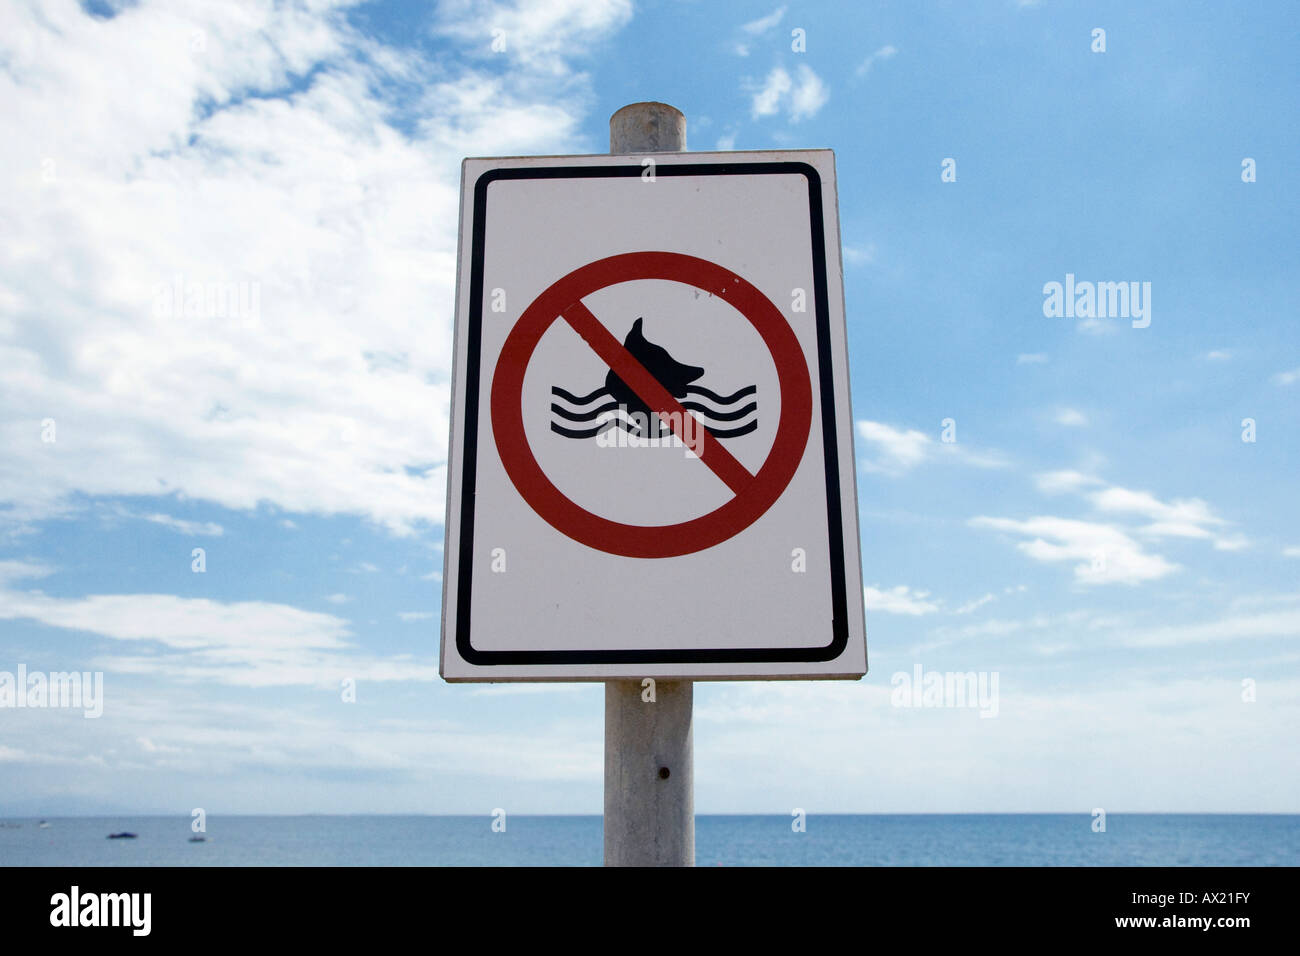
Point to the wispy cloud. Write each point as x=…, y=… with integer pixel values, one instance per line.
x=1287, y=378
x=1274, y=624
x=1104, y=553
x=859, y=255
x=1179, y=518
x=895, y=451
x=1031, y=358
x=899, y=600
x=182, y=526
x=756, y=28
x=1071, y=418
x=15, y=570
x=801, y=96
x=1054, y=482
x=976, y=604
x=809, y=95
x=884, y=53
x=241, y=643
x=179, y=525
x=540, y=36
x=767, y=99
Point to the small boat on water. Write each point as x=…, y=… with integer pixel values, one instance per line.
x=198, y=839
x=44, y=825
x=122, y=836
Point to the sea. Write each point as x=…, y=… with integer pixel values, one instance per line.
x=720, y=840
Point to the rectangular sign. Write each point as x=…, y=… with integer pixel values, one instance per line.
x=651, y=471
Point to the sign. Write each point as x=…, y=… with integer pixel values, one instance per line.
x=651, y=470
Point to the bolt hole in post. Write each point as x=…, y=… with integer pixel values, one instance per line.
x=647, y=825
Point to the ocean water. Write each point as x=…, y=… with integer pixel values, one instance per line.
x=830, y=840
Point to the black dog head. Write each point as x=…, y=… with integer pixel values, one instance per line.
x=670, y=373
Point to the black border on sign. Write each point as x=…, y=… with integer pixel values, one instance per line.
x=830, y=447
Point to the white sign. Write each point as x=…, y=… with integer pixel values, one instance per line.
x=651, y=470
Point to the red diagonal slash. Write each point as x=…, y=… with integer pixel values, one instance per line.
x=612, y=352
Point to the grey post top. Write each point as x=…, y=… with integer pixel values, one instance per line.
x=647, y=128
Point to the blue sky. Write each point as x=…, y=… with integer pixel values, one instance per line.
x=1098, y=535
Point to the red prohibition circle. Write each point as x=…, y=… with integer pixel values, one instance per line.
x=652, y=541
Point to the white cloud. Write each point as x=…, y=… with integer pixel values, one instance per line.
x=767, y=99
x=182, y=526
x=242, y=643
x=338, y=598
x=1291, y=552
x=210, y=166
x=946, y=634
x=1031, y=358
x=179, y=525
x=415, y=615
x=176, y=622
x=1182, y=518
x=809, y=96
x=763, y=24
x=899, y=600
x=1287, y=378
x=149, y=746
x=1190, y=512
x=540, y=36
x=1071, y=418
x=802, y=96
x=859, y=255
x=1054, y=482
x=1105, y=554
x=975, y=605
x=756, y=28
x=13, y=570
x=1274, y=624
x=884, y=53
x=1236, y=542
x=1218, y=355
x=1096, y=326
x=897, y=451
